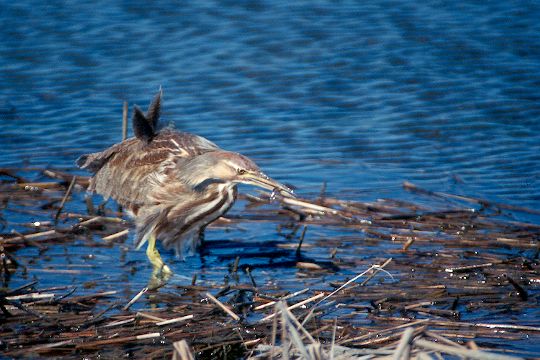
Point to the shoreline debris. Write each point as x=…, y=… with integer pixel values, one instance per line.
x=396, y=279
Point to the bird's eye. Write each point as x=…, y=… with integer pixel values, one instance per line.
x=241, y=171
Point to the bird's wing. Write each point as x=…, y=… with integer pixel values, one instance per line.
x=129, y=171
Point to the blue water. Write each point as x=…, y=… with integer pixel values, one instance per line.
x=360, y=95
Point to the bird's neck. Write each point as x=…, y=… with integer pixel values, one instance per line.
x=214, y=185
x=218, y=190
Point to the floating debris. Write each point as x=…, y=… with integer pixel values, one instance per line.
x=445, y=275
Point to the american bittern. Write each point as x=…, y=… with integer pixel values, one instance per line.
x=173, y=183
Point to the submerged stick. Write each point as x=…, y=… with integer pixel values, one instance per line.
x=124, y=120
x=68, y=192
x=412, y=187
x=470, y=267
x=46, y=346
x=301, y=241
x=23, y=237
x=223, y=307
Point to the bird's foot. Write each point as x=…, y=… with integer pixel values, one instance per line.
x=166, y=270
x=161, y=273
x=160, y=277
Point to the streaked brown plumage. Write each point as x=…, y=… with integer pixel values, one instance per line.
x=174, y=183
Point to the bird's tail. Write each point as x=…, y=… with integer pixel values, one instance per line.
x=95, y=161
x=82, y=160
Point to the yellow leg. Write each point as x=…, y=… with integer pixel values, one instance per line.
x=161, y=271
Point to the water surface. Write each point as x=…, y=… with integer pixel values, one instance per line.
x=360, y=96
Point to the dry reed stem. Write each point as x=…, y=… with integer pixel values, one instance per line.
x=502, y=279
x=135, y=298
x=403, y=348
x=223, y=307
x=300, y=292
x=470, y=354
x=119, y=322
x=182, y=351
x=385, y=331
x=150, y=317
x=116, y=235
x=100, y=343
x=294, y=306
x=124, y=120
x=64, y=199
x=175, y=320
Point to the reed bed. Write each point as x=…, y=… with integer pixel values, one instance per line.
x=440, y=276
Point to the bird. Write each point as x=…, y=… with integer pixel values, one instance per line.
x=173, y=183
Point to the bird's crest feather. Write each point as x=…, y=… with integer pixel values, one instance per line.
x=154, y=111
x=141, y=126
x=145, y=126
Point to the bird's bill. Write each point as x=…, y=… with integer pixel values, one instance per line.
x=261, y=180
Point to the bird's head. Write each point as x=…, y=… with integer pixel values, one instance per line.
x=234, y=168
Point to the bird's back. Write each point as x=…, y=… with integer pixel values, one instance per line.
x=127, y=171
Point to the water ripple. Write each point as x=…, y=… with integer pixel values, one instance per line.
x=359, y=95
